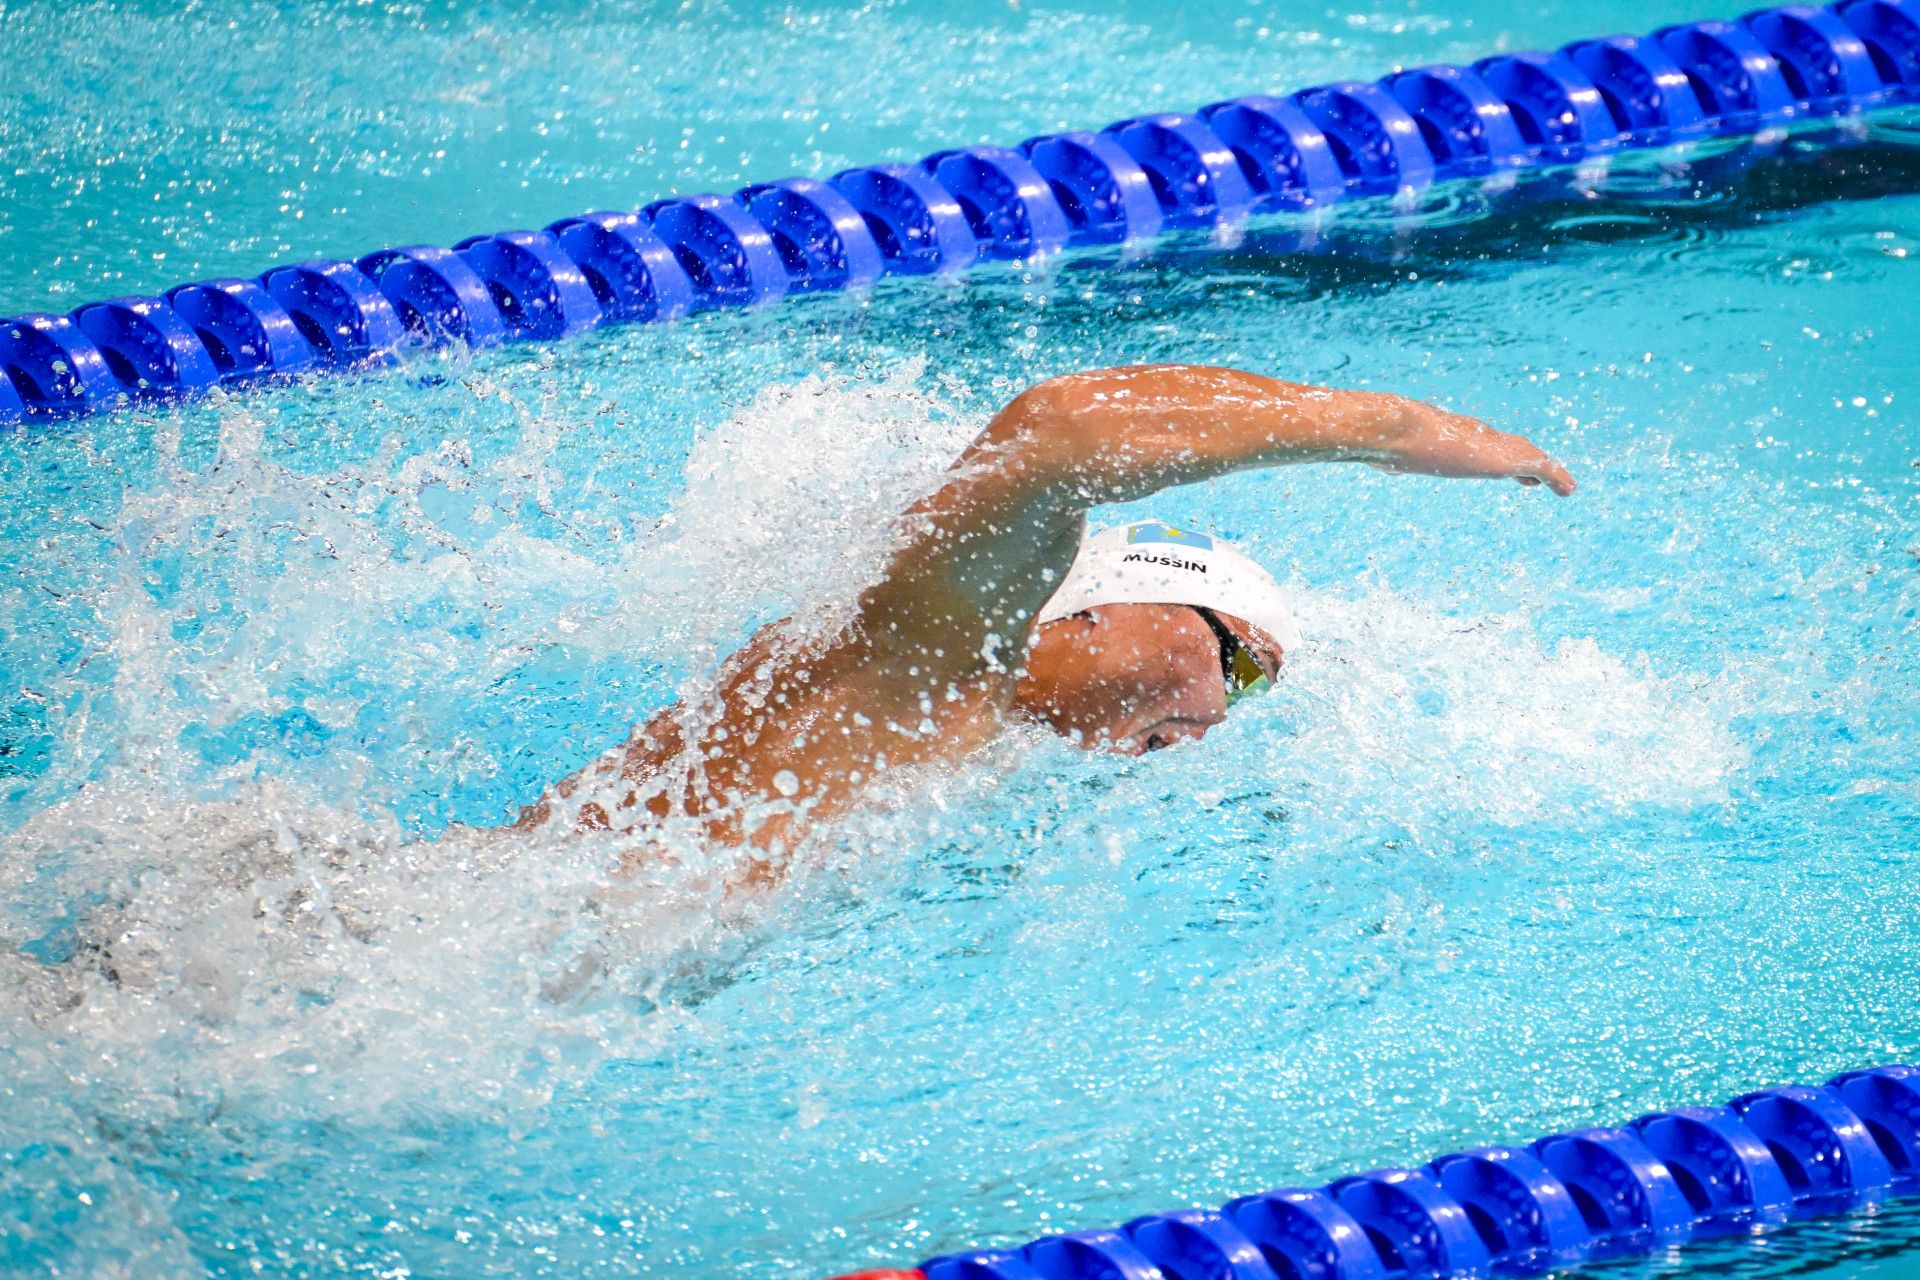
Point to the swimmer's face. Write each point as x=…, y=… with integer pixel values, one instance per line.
x=1133, y=678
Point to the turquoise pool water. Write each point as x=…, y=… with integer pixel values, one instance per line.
x=1566, y=812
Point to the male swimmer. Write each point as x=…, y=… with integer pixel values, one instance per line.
x=997, y=609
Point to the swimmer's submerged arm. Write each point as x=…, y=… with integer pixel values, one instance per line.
x=991, y=545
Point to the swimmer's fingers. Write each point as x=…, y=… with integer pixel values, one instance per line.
x=1431, y=441
x=1523, y=460
x=1535, y=469
x=1550, y=473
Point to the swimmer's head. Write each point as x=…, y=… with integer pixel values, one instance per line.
x=1154, y=632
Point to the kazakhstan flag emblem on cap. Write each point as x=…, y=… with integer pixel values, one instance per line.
x=1154, y=531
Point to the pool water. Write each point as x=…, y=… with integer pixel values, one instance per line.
x=1567, y=810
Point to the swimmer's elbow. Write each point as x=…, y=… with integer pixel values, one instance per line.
x=1030, y=444
x=1057, y=426
x=1042, y=410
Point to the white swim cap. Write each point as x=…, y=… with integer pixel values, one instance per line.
x=1153, y=563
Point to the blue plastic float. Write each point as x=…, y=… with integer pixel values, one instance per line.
x=1499, y=1211
x=1126, y=182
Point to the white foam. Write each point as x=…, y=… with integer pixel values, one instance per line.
x=790, y=504
x=1398, y=708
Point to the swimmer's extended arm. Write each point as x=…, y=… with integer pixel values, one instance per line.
x=991, y=545
x=1143, y=429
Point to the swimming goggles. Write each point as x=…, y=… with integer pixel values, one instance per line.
x=1238, y=667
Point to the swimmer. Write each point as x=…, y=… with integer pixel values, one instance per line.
x=997, y=608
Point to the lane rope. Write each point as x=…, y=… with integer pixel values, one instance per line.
x=1766, y=1157
x=1127, y=182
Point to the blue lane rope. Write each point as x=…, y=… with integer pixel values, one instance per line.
x=1129, y=181
x=1764, y=1158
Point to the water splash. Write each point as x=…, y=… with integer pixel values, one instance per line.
x=1442, y=718
x=790, y=504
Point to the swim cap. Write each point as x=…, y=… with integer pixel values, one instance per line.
x=1153, y=563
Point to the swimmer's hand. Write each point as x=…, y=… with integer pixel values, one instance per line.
x=1430, y=441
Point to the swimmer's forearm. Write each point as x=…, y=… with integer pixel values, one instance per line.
x=1126, y=433
x=1145, y=427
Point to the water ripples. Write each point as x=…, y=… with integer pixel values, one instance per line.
x=1880, y=1244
